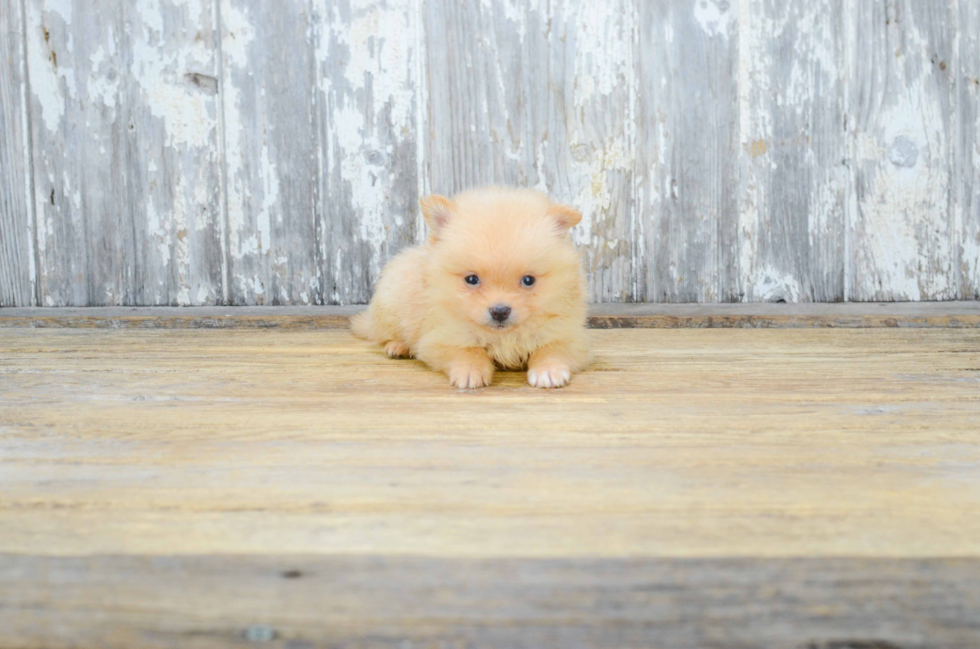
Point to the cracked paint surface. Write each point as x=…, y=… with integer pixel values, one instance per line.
x=209, y=151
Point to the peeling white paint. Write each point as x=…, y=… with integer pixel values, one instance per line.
x=379, y=41
x=44, y=227
x=594, y=197
x=157, y=232
x=61, y=7
x=362, y=177
x=238, y=34
x=771, y=92
x=102, y=83
x=714, y=16
x=603, y=51
x=513, y=11
x=755, y=137
x=421, y=86
x=252, y=178
x=376, y=48
x=30, y=223
x=902, y=155
x=237, y=187
x=967, y=211
x=160, y=71
x=373, y=96
x=270, y=198
x=52, y=83
x=251, y=285
x=540, y=168
x=771, y=285
x=181, y=253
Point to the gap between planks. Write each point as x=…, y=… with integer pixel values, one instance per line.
x=850, y=315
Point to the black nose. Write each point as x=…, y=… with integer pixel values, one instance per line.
x=500, y=312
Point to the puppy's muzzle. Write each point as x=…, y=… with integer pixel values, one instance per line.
x=500, y=312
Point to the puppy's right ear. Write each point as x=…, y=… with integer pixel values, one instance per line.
x=438, y=211
x=564, y=216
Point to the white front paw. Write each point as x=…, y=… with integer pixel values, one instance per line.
x=548, y=377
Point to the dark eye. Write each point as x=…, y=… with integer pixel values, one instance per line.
x=472, y=280
x=528, y=280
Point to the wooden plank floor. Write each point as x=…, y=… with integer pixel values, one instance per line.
x=695, y=488
x=958, y=314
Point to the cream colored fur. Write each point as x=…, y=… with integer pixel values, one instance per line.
x=423, y=306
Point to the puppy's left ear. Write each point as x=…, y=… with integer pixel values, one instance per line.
x=564, y=217
x=438, y=211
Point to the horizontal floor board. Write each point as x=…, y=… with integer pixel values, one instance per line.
x=305, y=601
x=964, y=314
x=709, y=442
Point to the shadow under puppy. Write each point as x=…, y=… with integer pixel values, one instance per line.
x=497, y=283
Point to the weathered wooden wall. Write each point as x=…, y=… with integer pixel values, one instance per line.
x=248, y=152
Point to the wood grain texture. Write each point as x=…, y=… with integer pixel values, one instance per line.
x=541, y=95
x=17, y=265
x=675, y=443
x=793, y=150
x=861, y=315
x=267, y=81
x=368, y=104
x=232, y=151
x=899, y=123
x=126, y=159
x=967, y=151
x=687, y=164
x=736, y=488
x=374, y=602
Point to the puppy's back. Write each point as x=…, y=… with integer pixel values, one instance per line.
x=398, y=303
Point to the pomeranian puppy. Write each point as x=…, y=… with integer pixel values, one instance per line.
x=496, y=284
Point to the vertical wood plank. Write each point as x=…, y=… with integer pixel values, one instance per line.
x=687, y=167
x=268, y=70
x=900, y=75
x=793, y=150
x=17, y=267
x=585, y=154
x=367, y=89
x=126, y=160
x=967, y=150
x=541, y=95
x=478, y=95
